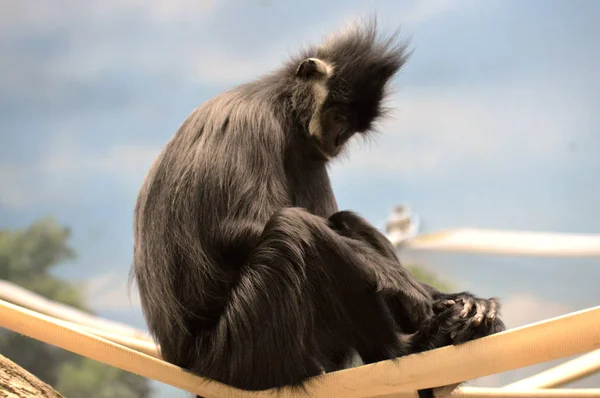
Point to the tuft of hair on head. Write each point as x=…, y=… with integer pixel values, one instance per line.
x=365, y=61
x=362, y=42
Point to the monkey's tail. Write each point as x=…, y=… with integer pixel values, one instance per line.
x=438, y=392
x=426, y=393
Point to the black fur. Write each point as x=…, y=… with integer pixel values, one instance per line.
x=248, y=273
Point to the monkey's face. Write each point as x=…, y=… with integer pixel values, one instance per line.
x=326, y=126
x=335, y=130
x=331, y=122
x=348, y=77
x=340, y=107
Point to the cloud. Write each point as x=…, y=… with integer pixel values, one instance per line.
x=422, y=11
x=23, y=189
x=110, y=291
x=183, y=39
x=524, y=308
x=46, y=16
x=79, y=42
x=67, y=156
x=13, y=193
x=67, y=170
x=492, y=128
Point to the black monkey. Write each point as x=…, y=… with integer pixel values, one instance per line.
x=248, y=273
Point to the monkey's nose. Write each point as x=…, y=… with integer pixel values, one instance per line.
x=338, y=140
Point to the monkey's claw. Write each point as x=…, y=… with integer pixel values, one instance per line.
x=474, y=317
x=441, y=305
x=477, y=308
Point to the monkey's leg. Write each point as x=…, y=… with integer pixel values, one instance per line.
x=304, y=294
x=351, y=225
x=429, y=335
x=459, y=317
x=477, y=318
x=367, y=241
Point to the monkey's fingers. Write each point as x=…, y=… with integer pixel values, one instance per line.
x=492, y=312
x=480, y=312
x=442, y=305
x=470, y=328
x=468, y=303
x=485, y=309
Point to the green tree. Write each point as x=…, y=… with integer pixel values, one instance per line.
x=26, y=258
x=429, y=277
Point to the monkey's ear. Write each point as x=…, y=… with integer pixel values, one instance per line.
x=313, y=68
x=307, y=69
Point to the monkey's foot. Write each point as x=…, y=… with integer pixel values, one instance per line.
x=472, y=317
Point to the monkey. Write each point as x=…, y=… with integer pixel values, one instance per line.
x=247, y=271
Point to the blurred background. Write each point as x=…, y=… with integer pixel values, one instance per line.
x=496, y=125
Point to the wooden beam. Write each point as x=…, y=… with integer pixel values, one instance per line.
x=498, y=242
x=16, y=382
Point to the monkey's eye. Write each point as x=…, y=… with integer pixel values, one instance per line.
x=337, y=117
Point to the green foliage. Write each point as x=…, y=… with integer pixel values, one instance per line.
x=87, y=378
x=26, y=257
x=429, y=277
x=38, y=358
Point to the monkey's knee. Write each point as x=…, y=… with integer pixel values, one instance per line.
x=292, y=221
x=351, y=225
x=346, y=220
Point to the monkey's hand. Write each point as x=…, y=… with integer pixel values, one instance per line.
x=471, y=317
x=458, y=318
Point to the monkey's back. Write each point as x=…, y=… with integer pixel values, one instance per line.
x=200, y=211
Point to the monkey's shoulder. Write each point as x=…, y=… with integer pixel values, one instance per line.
x=236, y=121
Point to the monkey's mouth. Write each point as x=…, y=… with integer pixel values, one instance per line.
x=329, y=139
x=322, y=153
x=329, y=148
x=341, y=138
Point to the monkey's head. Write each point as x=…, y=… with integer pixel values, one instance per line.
x=346, y=79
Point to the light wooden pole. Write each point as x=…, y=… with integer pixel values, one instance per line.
x=16, y=382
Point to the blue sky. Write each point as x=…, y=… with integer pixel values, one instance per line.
x=495, y=125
